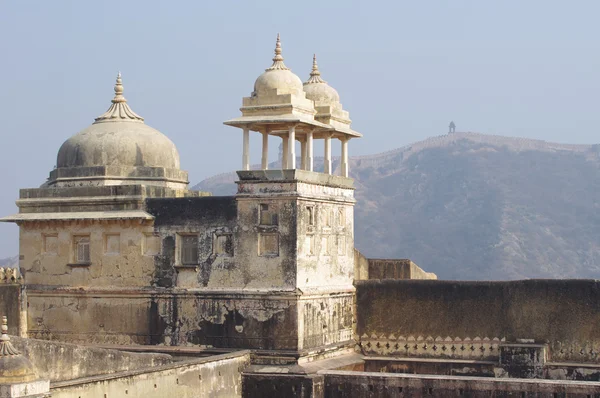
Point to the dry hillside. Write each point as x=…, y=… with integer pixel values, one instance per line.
x=474, y=206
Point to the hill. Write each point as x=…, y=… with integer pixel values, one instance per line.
x=11, y=262
x=475, y=206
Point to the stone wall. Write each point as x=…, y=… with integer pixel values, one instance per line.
x=62, y=361
x=421, y=318
x=215, y=376
x=10, y=306
x=396, y=269
x=338, y=384
x=206, y=218
x=361, y=266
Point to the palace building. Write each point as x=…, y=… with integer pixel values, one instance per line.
x=132, y=284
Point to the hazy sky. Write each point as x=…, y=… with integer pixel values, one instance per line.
x=403, y=70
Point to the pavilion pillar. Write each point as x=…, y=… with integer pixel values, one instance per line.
x=246, y=150
x=345, y=170
x=303, y=154
x=265, y=150
x=309, y=151
x=327, y=155
x=284, y=157
x=292, y=148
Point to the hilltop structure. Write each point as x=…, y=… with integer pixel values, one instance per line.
x=115, y=249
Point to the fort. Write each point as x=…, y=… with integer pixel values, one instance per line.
x=132, y=284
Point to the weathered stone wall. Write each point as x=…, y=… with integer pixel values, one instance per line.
x=420, y=318
x=98, y=317
x=62, y=361
x=396, y=269
x=215, y=376
x=117, y=256
x=297, y=386
x=325, y=244
x=10, y=306
x=325, y=320
x=230, y=320
x=340, y=384
x=361, y=266
x=205, y=217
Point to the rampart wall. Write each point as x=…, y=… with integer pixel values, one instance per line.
x=471, y=320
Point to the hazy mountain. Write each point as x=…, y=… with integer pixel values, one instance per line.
x=474, y=206
x=12, y=262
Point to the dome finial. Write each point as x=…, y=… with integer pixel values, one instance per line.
x=6, y=347
x=278, y=58
x=119, y=110
x=315, y=74
x=119, y=90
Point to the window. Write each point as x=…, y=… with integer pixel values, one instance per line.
x=81, y=248
x=268, y=214
x=310, y=215
x=189, y=249
x=50, y=244
x=268, y=245
x=112, y=244
x=223, y=245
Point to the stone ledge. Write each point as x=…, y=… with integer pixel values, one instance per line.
x=294, y=175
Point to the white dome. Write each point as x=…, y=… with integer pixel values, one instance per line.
x=277, y=77
x=318, y=90
x=321, y=93
x=283, y=80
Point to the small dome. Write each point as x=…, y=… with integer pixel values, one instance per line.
x=284, y=81
x=278, y=77
x=119, y=137
x=318, y=90
x=14, y=367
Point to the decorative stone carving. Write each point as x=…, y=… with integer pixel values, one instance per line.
x=10, y=275
x=426, y=347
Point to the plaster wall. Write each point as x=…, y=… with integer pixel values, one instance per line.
x=48, y=254
x=217, y=376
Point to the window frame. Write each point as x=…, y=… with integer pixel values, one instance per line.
x=77, y=241
x=182, y=247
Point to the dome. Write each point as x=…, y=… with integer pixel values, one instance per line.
x=285, y=81
x=118, y=149
x=119, y=137
x=318, y=90
x=278, y=77
x=122, y=143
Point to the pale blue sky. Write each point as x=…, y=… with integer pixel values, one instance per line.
x=403, y=70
